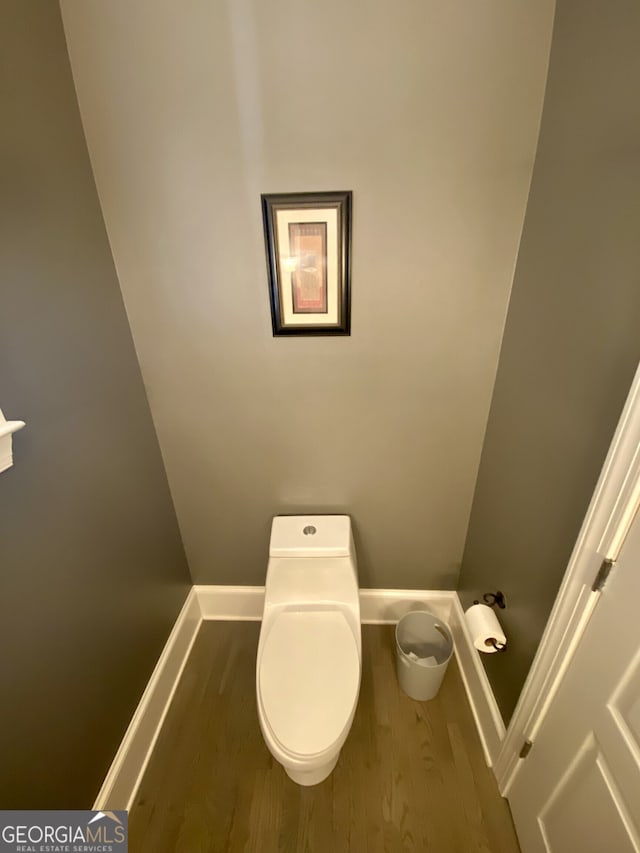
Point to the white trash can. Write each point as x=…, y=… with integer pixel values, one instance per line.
x=423, y=650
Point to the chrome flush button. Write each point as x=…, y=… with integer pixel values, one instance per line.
x=309, y=530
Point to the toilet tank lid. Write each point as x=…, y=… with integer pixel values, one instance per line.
x=310, y=536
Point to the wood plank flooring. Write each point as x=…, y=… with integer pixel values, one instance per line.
x=411, y=776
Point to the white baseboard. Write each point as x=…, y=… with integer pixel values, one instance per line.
x=231, y=602
x=483, y=703
x=121, y=783
x=387, y=606
x=377, y=607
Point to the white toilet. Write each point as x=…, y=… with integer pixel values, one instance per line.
x=309, y=654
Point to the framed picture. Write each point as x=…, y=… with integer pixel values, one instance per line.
x=308, y=242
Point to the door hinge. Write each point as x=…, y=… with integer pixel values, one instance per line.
x=526, y=749
x=603, y=573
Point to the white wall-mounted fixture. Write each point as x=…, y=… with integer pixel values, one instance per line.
x=7, y=428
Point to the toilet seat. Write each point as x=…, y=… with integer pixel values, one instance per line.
x=309, y=678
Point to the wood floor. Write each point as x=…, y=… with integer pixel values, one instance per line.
x=411, y=776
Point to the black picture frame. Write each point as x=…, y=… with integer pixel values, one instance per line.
x=308, y=247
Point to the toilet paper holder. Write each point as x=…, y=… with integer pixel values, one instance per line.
x=495, y=599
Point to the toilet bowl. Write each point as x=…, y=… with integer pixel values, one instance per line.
x=309, y=653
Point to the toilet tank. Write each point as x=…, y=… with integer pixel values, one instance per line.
x=312, y=568
x=311, y=536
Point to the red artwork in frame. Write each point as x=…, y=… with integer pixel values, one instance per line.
x=308, y=241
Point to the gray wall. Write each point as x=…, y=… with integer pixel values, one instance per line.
x=571, y=343
x=429, y=112
x=93, y=572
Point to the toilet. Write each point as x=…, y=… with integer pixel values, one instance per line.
x=310, y=652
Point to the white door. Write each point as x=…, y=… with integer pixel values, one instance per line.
x=579, y=787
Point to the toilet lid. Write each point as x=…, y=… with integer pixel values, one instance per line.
x=309, y=679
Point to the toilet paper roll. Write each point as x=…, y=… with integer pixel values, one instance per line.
x=484, y=628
